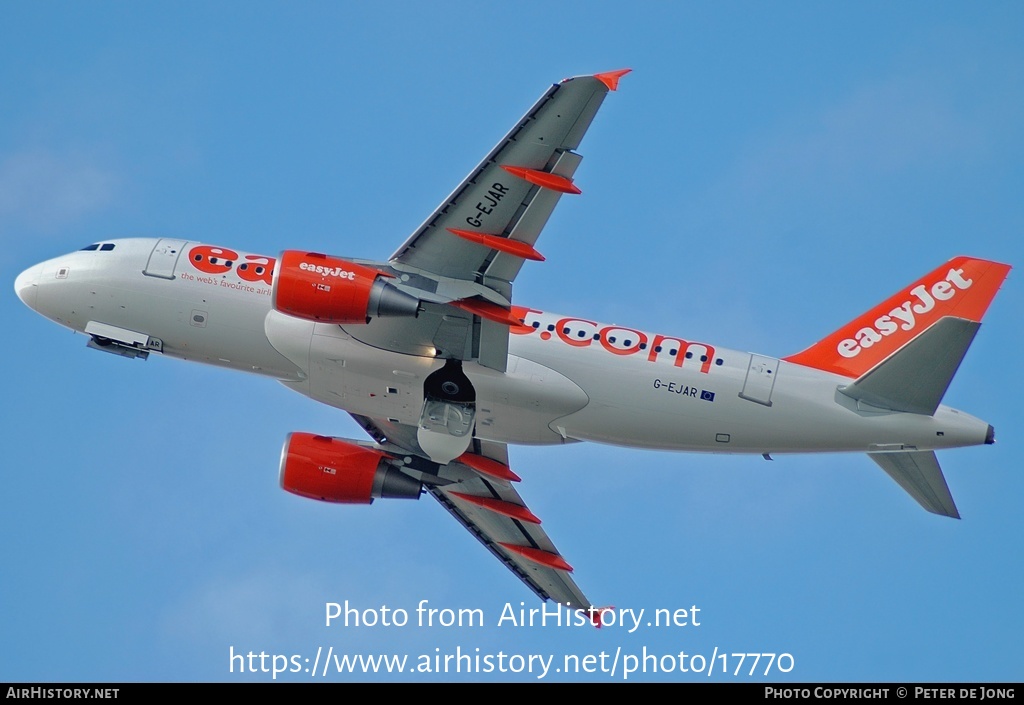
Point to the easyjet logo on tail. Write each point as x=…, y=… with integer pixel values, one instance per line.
x=905, y=316
x=963, y=287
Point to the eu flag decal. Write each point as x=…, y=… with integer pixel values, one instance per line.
x=705, y=395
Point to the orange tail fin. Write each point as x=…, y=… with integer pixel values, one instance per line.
x=963, y=287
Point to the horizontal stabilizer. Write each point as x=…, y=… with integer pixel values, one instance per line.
x=918, y=472
x=915, y=377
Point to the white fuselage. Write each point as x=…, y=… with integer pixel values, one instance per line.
x=567, y=378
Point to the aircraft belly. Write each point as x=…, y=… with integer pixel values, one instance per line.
x=554, y=397
x=523, y=404
x=367, y=381
x=636, y=404
x=517, y=406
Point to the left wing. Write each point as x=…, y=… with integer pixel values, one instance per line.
x=460, y=264
x=478, y=489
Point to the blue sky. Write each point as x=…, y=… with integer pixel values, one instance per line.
x=766, y=173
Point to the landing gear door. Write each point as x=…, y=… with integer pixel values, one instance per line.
x=449, y=409
x=164, y=258
x=760, y=381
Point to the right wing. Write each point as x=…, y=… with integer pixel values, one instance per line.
x=492, y=510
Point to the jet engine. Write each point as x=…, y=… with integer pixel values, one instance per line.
x=338, y=470
x=327, y=289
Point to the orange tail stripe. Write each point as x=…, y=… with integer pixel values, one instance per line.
x=963, y=287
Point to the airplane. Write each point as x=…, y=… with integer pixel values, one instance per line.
x=429, y=355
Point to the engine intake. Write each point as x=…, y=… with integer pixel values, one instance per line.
x=328, y=289
x=338, y=470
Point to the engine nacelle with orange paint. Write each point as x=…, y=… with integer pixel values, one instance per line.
x=327, y=289
x=338, y=470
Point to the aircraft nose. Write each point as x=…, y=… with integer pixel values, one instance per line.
x=26, y=286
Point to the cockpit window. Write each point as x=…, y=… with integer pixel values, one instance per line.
x=105, y=247
x=90, y=248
